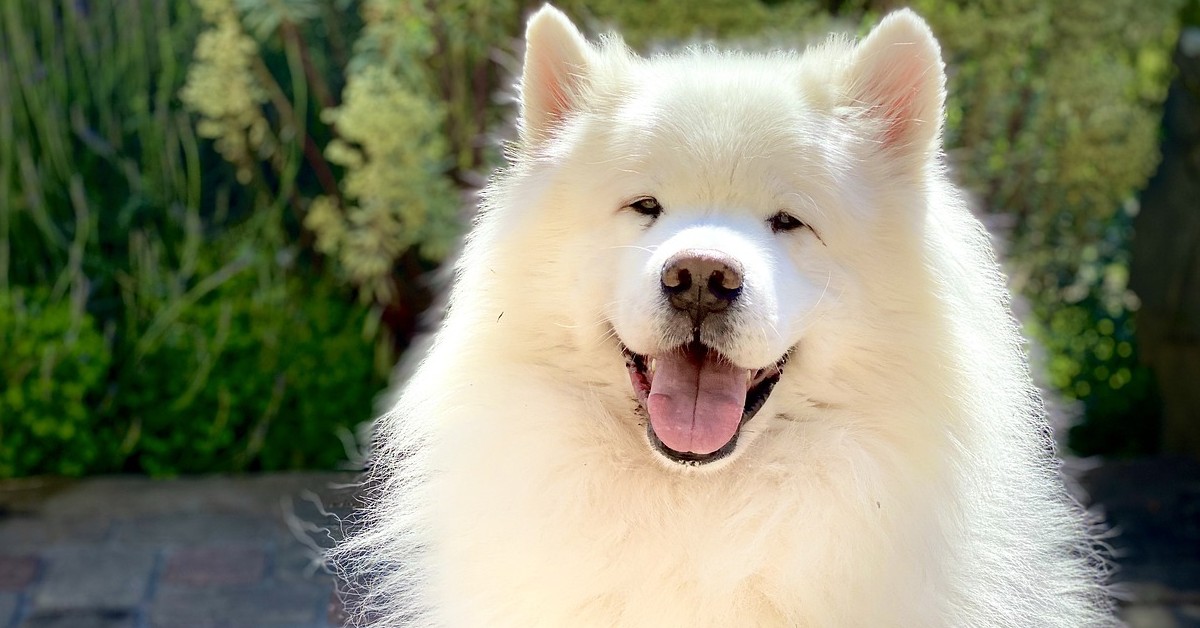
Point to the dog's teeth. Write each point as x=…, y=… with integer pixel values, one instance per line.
x=653, y=364
x=749, y=377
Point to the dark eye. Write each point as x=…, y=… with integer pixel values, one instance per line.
x=784, y=221
x=647, y=206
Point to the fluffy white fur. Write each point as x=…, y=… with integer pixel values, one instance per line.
x=899, y=475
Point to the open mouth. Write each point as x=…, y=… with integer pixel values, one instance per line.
x=697, y=400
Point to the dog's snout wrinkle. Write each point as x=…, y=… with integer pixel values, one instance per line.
x=700, y=282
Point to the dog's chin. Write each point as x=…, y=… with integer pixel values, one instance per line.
x=696, y=401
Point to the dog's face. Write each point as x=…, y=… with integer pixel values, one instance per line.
x=720, y=267
x=710, y=204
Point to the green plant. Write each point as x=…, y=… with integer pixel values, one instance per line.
x=55, y=365
x=117, y=215
x=91, y=151
x=417, y=103
x=261, y=373
x=1053, y=117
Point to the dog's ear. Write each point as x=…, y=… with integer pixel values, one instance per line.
x=897, y=77
x=557, y=64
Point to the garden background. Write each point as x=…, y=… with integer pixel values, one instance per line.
x=218, y=218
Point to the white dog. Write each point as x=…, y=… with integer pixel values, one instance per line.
x=724, y=348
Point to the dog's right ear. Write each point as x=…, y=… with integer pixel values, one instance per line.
x=557, y=64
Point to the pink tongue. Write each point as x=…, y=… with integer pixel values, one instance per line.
x=696, y=407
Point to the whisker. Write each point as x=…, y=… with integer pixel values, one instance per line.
x=814, y=313
x=648, y=249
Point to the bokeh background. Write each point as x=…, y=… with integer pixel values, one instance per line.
x=219, y=218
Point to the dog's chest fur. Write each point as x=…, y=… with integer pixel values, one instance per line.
x=605, y=538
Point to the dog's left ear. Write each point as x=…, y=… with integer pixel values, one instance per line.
x=557, y=66
x=897, y=76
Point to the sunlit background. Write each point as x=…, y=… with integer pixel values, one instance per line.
x=219, y=218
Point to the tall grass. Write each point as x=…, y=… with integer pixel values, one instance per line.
x=157, y=311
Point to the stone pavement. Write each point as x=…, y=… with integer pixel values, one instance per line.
x=126, y=552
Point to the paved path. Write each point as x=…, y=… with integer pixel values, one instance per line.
x=231, y=552
x=134, y=553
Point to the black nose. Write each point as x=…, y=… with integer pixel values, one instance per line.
x=701, y=282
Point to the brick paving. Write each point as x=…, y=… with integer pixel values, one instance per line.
x=232, y=552
x=125, y=552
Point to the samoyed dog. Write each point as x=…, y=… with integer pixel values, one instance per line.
x=724, y=348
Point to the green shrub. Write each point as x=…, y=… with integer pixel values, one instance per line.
x=1088, y=330
x=1094, y=360
x=1054, y=112
x=258, y=375
x=52, y=377
x=225, y=346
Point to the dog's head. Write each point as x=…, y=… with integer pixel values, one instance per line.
x=714, y=209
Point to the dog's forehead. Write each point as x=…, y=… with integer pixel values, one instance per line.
x=737, y=123
x=682, y=95
x=733, y=108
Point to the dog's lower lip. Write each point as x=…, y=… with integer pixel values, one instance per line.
x=689, y=458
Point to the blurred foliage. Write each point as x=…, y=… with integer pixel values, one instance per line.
x=55, y=364
x=224, y=92
x=209, y=264
x=265, y=370
x=411, y=131
x=1054, y=114
x=397, y=196
x=158, y=310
